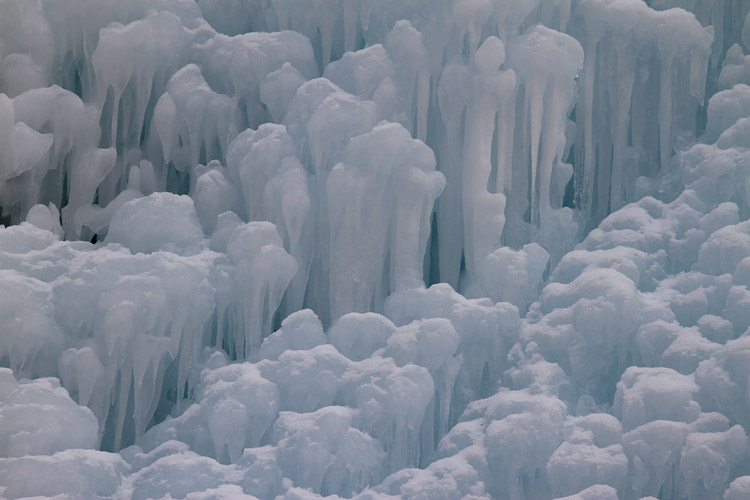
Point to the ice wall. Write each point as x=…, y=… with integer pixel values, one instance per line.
x=398, y=249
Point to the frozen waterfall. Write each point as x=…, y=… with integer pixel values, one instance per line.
x=378, y=250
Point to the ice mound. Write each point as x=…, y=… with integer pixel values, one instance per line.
x=37, y=417
x=322, y=451
x=738, y=488
x=71, y=474
x=300, y=331
x=331, y=449
x=592, y=445
x=164, y=222
x=486, y=332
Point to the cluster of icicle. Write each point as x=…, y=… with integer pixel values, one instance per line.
x=381, y=139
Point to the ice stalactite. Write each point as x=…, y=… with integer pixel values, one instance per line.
x=57, y=172
x=725, y=18
x=21, y=149
x=511, y=15
x=375, y=83
x=469, y=17
x=584, y=176
x=322, y=119
x=275, y=188
x=615, y=141
x=525, y=141
x=278, y=89
x=127, y=359
x=140, y=49
x=287, y=198
x=25, y=62
x=399, y=180
x=238, y=65
x=213, y=192
x=126, y=92
x=76, y=134
x=622, y=173
x=486, y=331
x=685, y=47
x=63, y=171
x=548, y=85
x=452, y=104
x=555, y=14
x=405, y=47
x=237, y=16
x=191, y=123
x=316, y=20
x=155, y=97
x=262, y=274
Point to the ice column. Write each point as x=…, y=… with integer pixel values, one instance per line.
x=484, y=211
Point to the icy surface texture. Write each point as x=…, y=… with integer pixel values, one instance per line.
x=379, y=250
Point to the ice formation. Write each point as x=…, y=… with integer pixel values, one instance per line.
x=413, y=249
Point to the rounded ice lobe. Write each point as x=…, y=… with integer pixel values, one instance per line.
x=596, y=492
x=37, y=417
x=739, y=489
x=724, y=109
x=213, y=195
x=278, y=90
x=647, y=394
x=300, y=331
x=491, y=54
x=160, y=221
x=707, y=459
x=46, y=217
x=358, y=335
x=429, y=343
x=514, y=276
x=724, y=249
x=323, y=451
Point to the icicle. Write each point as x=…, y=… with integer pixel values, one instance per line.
x=325, y=28
x=505, y=136
x=452, y=102
x=535, y=103
x=423, y=103
x=625, y=65
x=665, y=109
x=564, y=14
x=121, y=403
x=351, y=22
x=553, y=130
x=589, y=165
